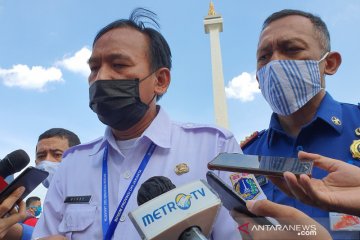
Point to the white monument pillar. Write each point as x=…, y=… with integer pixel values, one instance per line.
x=213, y=25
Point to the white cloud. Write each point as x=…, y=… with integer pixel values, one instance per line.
x=30, y=78
x=243, y=87
x=78, y=62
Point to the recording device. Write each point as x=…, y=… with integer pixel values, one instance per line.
x=186, y=212
x=231, y=199
x=13, y=162
x=30, y=178
x=264, y=165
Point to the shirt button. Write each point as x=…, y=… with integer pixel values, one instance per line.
x=127, y=174
x=122, y=218
x=69, y=221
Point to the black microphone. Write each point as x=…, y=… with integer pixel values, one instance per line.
x=153, y=187
x=158, y=185
x=13, y=162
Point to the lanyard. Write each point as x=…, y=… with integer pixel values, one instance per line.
x=108, y=230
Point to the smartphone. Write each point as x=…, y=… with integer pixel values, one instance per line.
x=30, y=178
x=231, y=199
x=264, y=165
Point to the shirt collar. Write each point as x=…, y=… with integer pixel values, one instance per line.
x=329, y=111
x=158, y=132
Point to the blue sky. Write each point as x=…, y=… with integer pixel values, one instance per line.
x=44, y=46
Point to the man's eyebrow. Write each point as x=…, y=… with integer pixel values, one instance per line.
x=265, y=48
x=112, y=56
x=283, y=41
x=115, y=56
x=92, y=60
x=292, y=40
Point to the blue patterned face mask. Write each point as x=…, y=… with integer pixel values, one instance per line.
x=287, y=85
x=37, y=211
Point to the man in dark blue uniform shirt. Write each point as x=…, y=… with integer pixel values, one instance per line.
x=293, y=57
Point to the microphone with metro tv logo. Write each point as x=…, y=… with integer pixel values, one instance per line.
x=166, y=212
x=12, y=163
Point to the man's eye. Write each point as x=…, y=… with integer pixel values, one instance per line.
x=40, y=156
x=263, y=57
x=118, y=65
x=58, y=155
x=293, y=49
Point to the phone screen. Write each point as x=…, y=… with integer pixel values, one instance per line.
x=230, y=199
x=265, y=165
x=30, y=178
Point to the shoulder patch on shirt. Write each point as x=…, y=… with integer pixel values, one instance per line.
x=82, y=146
x=249, y=139
x=246, y=185
x=195, y=126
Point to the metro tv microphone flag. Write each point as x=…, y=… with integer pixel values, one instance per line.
x=169, y=215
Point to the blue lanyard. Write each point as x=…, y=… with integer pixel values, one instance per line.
x=108, y=230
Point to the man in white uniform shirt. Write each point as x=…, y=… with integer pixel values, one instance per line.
x=130, y=70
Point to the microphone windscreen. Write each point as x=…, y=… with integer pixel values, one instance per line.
x=13, y=162
x=153, y=187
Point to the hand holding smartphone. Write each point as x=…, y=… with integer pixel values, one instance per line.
x=264, y=165
x=231, y=199
x=30, y=178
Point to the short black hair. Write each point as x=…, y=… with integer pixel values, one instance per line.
x=159, y=50
x=321, y=30
x=30, y=200
x=72, y=138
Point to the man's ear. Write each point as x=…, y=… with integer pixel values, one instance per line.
x=332, y=63
x=163, y=80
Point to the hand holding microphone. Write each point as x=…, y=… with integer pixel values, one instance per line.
x=12, y=163
x=186, y=212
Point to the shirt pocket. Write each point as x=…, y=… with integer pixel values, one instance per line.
x=77, y=219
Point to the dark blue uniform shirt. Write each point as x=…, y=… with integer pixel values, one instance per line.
x=330, y=133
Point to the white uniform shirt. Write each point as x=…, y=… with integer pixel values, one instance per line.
x=80, y=174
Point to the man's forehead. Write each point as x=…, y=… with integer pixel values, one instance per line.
x=52, y=143
x=119, y=43
x=287, y=27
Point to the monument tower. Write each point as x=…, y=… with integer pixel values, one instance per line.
x=213, y=24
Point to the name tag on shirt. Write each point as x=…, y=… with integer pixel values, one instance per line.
x=78, y=199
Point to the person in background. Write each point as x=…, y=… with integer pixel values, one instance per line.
x=49, y=151
x=50, y=148
x=33, y=210
x=293, y=57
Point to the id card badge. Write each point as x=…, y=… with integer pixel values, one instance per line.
x=344, y=222
x=247, y=186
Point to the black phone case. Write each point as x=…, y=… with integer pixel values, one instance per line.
x=230, y=199
x=30, y=178
x=269, y=166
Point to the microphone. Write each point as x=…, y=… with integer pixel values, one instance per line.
x=166, y=212
x=13, y=162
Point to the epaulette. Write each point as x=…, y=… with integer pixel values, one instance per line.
x=250, y=139
x=196, y=126
x=82, y=146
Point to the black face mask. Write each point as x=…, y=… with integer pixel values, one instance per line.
x=117, y=102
